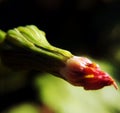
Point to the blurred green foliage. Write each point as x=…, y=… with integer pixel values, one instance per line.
x=24, y=108
x=75, y=100
x=64, y=98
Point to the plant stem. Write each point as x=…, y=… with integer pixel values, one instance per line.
x=27, y=48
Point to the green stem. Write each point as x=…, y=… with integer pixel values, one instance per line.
x=27, y=47
x=2, y=36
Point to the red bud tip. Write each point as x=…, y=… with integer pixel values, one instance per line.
x=80, y=71
x=115, y=85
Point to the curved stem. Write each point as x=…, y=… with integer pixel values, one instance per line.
x=27, y=48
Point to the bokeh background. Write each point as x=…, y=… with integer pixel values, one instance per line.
x=85, y=27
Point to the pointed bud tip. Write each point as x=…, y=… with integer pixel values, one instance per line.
x=80, y=71
x=115, y=85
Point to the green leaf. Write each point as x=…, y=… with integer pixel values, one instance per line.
x=33, y=39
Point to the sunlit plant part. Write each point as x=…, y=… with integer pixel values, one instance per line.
x=27, y=48
x=80, y=71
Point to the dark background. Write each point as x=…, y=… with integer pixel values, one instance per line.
x=76, y=25
x=84, y=27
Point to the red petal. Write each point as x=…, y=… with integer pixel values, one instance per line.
x=81, y=71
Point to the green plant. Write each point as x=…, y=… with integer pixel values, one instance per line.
x=26, y=48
